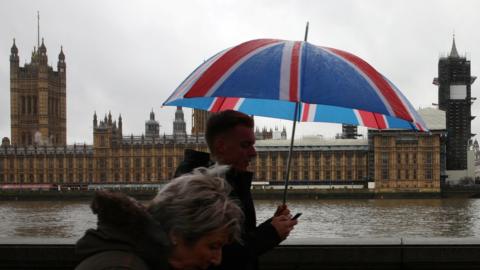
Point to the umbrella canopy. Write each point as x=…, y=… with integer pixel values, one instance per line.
x=267, y=77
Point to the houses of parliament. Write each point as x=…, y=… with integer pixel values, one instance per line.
x=393, y=160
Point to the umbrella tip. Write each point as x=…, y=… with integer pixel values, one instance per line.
x=306, y=32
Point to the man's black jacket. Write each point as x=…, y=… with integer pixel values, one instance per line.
x=257, y=239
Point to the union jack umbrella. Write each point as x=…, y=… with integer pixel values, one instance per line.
x=296, y=80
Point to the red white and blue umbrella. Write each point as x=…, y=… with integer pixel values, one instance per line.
x=267, y=77
x=299, y=81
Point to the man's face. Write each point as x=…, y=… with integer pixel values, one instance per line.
x=236, y=148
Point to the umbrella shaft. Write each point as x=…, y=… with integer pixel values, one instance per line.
x=287, y=176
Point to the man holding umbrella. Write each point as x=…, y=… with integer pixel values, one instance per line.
x=230, y=138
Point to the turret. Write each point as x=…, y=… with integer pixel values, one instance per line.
x=61, y=61
x=179, y=114
x=95, y=123
x=34, y=58
x=109, y=118
x=14, y=53
x=179, y=126
x=258, y=135
x=120, y=123
x=152, y=127
x=42, y=54
x=284, y=133
x=14, y=62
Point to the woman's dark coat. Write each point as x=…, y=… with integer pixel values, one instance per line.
x=126, y=237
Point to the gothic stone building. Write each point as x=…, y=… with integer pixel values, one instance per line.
x=38, y=99
x=394, y=160
x=38, y=153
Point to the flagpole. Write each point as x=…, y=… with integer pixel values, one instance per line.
x=295, y=118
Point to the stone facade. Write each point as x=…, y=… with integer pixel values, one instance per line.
x=394, y=160
x=314, y=161
x=406, y=161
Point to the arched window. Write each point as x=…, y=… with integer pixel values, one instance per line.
x=23, y=105
x=29, y=105
x=35, y=101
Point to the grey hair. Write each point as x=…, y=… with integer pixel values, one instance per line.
x=198, y=203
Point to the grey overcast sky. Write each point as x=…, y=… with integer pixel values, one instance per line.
x=128, y=56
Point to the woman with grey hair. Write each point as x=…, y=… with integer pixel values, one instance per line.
x=184, y=227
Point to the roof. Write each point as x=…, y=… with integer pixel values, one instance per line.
x=48, y=150
x=434, y=118
x=313, y=143
x=162, y=139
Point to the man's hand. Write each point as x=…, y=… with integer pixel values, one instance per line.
x=284, y=225
x=282, y=210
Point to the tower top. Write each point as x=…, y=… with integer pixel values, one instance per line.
x=61, y=55
x=152, y=115
x=14, y=49
x=42, y=48
x=453, y=51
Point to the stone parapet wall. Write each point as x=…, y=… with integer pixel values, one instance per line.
x=313, y=253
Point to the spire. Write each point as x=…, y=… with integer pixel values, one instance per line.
x=14, y=55
x=152, y=115
x=14, y=49
x=120, y=123
x=95, y=119
x=109, y=118
x=61, y=56
x=454, y=52
x=42, y=49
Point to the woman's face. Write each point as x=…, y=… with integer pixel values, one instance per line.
x=201, y=254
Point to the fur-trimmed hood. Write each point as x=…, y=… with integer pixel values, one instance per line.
x=124, y=224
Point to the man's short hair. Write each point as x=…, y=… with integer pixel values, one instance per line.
x=223, y=122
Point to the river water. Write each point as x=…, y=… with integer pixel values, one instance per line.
x=446, y=218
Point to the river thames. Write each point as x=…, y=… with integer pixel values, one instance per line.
x=425, y=218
